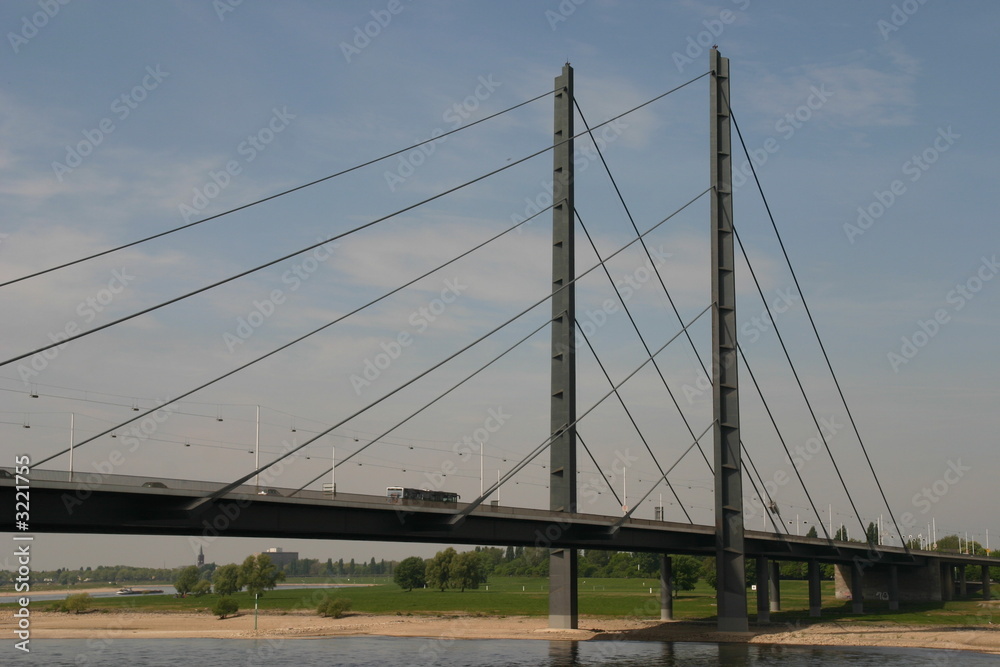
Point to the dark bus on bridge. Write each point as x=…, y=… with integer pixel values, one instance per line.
x=403, y=495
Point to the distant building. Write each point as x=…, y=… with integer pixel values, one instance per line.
x=201, y=556
x=281, y=558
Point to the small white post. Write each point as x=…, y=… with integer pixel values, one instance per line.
x=72, y=419
x=624, y=490
x=256, y=466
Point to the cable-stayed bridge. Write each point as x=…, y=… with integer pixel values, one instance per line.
x=114, y=503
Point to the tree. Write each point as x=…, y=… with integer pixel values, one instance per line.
x=258, y=573
x=812, y=532
x=225, y=606
x=202, y=587
x=620, y=566
x=649, y=563
x=841, y=535
x=684, y=572
x=438, y=571
x=77, y=603
x=187, y=579
x=334, y=607
x=708, y=569
x=411, y=573
x=946, y=543
x=466, y=571
x=598, y=557
x=871, y=533
x=224, y=579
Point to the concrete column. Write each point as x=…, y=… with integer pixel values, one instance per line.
x=963, y=588
x=947, y=582
x=774, y=586
x=562, y=451
x=763, y=590
x=893, y=588
x=731, y=588
x=857, y=590
x=986, y=582
x=666, y=589
x=815, y=592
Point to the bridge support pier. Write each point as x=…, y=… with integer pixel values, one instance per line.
x=986, y=582
x=730, y=551
x=857, y=589
x=893, y=588
x=562, y=410
x=963, y=588
x=763, y=590
x=666, y=588
x=815, y=592
x=947, y=582
x=774, y=585
x=897, y=583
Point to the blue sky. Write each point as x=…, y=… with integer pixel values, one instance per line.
x=868, y=122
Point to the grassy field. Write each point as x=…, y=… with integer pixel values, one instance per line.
x=598, y=597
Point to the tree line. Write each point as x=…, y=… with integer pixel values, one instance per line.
x=256, y=574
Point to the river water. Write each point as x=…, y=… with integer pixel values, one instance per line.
x=424, y=652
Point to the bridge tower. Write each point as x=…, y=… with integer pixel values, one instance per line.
x=562, y=452
x=731, y=594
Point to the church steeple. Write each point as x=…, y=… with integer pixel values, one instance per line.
x=201, y=556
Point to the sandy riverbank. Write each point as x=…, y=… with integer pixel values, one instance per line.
x=109, y=625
